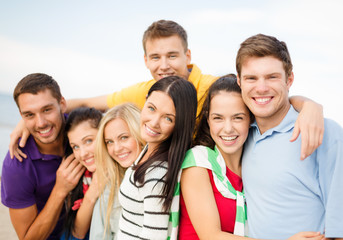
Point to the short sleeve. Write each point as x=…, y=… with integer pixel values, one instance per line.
x=17, y=183
x=135, y=94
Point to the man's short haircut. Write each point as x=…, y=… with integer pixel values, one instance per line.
x=35, y=83
x=163, y=29
x=262, y=46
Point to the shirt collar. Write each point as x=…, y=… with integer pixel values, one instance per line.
x=286, y=124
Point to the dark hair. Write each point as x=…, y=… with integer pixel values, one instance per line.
x=76, y=117
x=82, y=114
x=262, y=46
x=37, y=82
x=174, y=148
x=165, y=28
x=226, y=83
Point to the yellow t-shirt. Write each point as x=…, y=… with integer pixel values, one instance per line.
x=137, y=93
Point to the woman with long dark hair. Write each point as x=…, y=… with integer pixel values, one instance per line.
x=146, y=193
x=81, y=129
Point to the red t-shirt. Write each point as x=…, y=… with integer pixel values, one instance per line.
x=226, y=208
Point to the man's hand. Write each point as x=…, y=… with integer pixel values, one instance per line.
x=20, y=131
x=310, y=124
x=68, y=174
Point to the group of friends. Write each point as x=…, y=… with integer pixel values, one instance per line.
x=182, y=156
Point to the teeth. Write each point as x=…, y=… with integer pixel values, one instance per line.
x=123, y=155
x=150, y=131
x=89, y=160
x=45, y=131
x=229, y=138
x=165, y=75
x=262, y=100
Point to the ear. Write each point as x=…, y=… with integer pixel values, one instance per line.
x=146, y=60
x=238, y=81
x=63, y=105
x=290, y=80
x=189, y=56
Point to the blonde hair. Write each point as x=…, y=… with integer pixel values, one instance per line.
x=109, y=172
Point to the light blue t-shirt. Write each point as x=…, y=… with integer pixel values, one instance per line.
x=286, y=195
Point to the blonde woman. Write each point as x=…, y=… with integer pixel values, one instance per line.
x=118, y=145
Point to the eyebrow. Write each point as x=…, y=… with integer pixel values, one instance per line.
x=46, y=106
x=87, y=136
x=168, y=114
x=156, y=54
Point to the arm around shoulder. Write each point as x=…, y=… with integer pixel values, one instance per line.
x=310, y=124
x=99, y=102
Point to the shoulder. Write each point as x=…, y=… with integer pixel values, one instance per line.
x=135, y=93
x=200, y=81
x=333, y=134
x=156, y=171
x=17, y=183
x=198, y=156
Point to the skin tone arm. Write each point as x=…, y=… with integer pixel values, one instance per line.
x=199, y=195
x=99, y=102
x=310, y=123
x=84, y=213
x=28, y=224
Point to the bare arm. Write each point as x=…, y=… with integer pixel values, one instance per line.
x=99, y=102
x=84, y=213
x=28, y=224
x=310, y=124
x=199, y=195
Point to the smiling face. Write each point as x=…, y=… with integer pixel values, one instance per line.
x=43, y=116
x=265, y=89
x=82, y=141
x=229, y=123
x=157, y=118
x=121, y=144
x=167, y=57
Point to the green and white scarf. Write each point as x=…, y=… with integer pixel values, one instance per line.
x=201, y=156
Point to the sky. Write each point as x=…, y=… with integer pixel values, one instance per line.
x=94, y=47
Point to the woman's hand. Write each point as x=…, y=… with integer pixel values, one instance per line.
x=20, y=131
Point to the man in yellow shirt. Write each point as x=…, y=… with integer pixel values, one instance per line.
x=166, y=53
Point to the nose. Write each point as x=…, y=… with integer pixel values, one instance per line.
x=262, y=86
x=41, y=122
x=164, y=63
x=155, y=120
x=83, y=152
x=228, y=127
x=117, y=147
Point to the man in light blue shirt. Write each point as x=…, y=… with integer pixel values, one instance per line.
x=285, y=195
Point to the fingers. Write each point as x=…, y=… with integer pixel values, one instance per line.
x=13, y=146
x=296, y=132
x=305, y=148
x=19, y=154
x=24, y=138
x=311, y=139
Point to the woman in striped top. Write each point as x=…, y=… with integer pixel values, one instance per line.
x=146, y=193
